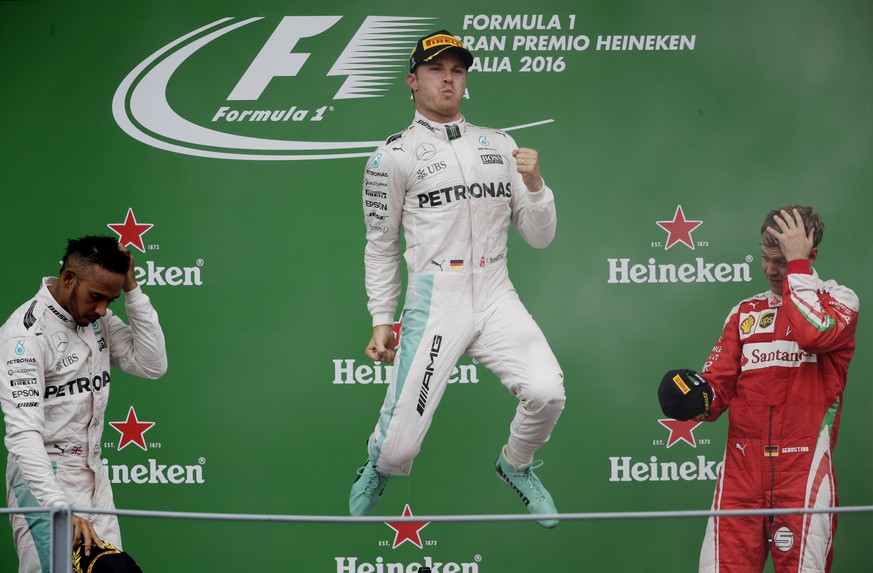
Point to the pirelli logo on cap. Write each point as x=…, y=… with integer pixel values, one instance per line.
x=441, y=40
x=681, y=384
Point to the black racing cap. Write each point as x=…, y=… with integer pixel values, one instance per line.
x=435, y=44
x=684, y=394
x=110, y=559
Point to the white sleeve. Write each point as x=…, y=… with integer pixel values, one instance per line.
x=138, y=348
x=382, y=215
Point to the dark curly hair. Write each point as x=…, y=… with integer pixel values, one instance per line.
x=85, y=252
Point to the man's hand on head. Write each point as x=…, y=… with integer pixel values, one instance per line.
x=794, y=242
x=130, y=278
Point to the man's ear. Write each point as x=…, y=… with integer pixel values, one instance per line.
x=68, y=275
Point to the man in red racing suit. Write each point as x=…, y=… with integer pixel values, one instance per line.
x=780, y=368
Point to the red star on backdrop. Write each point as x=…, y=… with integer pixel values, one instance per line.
x=679, y=229
x=132, y=430
x=130, y=232
x=680, y=430
x=407, y=530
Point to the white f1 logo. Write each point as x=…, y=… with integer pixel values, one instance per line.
x=275, y=58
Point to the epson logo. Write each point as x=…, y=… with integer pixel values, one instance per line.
x=26, y=393
x=376, y=205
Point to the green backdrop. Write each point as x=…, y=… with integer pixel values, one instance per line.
x=237, y=130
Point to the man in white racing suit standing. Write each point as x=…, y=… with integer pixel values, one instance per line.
x=453, y=188
x=56, y=353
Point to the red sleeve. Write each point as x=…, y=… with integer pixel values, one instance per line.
x=822, y=314
x=722, y=368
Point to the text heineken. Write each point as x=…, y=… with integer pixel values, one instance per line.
x=154, y=473
x=623, y=272
x=351, y=565
x=624, y=469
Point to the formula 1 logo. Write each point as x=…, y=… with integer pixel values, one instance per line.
x=372, y=60
x=286, y=95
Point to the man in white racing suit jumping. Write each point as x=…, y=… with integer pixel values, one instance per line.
x=454, y=188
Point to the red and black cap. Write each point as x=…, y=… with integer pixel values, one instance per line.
x=435, y=44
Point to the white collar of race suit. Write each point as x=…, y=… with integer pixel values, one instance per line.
x=45, y=297
x=447, y=131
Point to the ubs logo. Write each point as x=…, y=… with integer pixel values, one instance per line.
x=425, y=172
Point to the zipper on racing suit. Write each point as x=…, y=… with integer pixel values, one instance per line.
x=771, y=518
